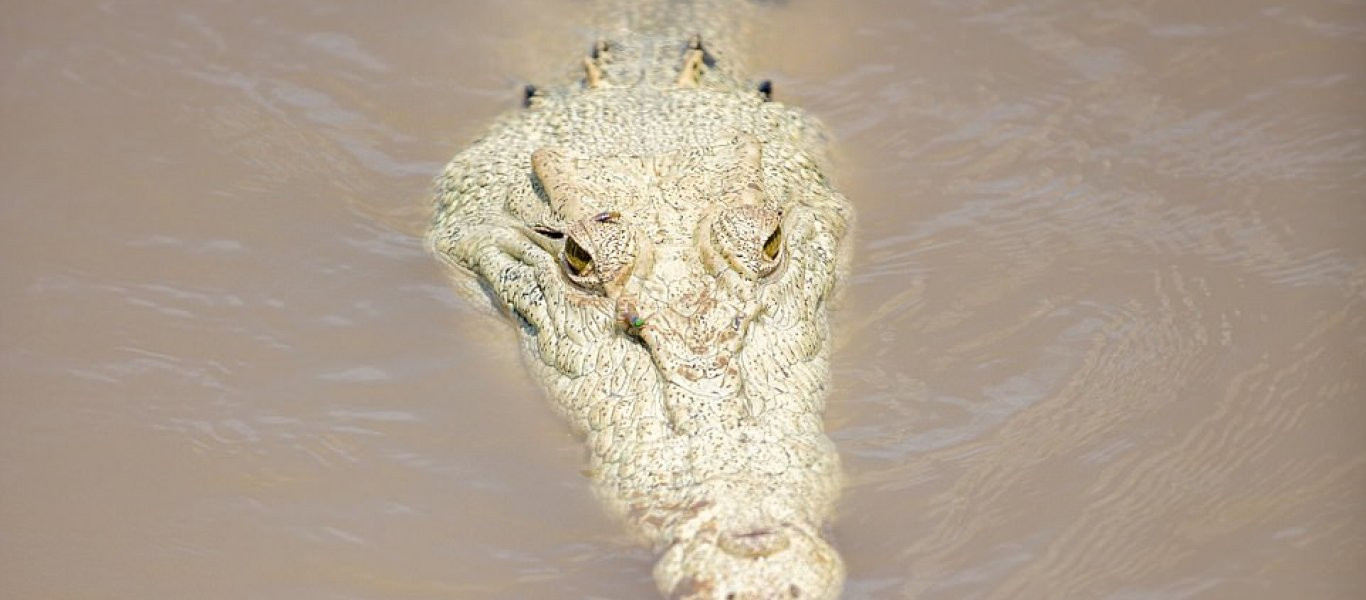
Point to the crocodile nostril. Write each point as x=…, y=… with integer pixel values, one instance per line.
x=754, y=543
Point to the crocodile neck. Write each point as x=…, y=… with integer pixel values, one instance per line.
x=649, y=40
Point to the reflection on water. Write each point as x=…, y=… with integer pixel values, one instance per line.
x=1102, y=337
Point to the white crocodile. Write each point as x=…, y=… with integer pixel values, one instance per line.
x=666, y=241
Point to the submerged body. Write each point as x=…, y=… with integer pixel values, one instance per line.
x=666, y=241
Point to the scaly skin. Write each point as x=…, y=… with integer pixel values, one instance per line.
x=666, y=243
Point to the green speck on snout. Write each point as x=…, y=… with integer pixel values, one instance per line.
x=634, y=323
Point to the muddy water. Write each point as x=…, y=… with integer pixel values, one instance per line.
x=1103, y=336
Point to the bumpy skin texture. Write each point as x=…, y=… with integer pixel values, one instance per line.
x=666, y=242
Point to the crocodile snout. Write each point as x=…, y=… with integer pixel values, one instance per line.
x=769, y=562
x=694, y=334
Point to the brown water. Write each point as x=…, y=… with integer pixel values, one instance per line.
x=1104, y=335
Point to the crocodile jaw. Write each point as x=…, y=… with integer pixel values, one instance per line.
x=705, y=431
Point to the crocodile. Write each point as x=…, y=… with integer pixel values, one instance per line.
x=666, y=240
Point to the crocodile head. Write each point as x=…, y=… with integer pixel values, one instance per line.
x=674, y=305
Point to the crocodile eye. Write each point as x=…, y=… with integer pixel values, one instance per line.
x=577, y=260
x=749, y=239
x=774, y=243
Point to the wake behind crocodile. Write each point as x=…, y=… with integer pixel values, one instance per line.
x=664, y=237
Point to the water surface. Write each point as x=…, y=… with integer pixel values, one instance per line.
x=1103, y=335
